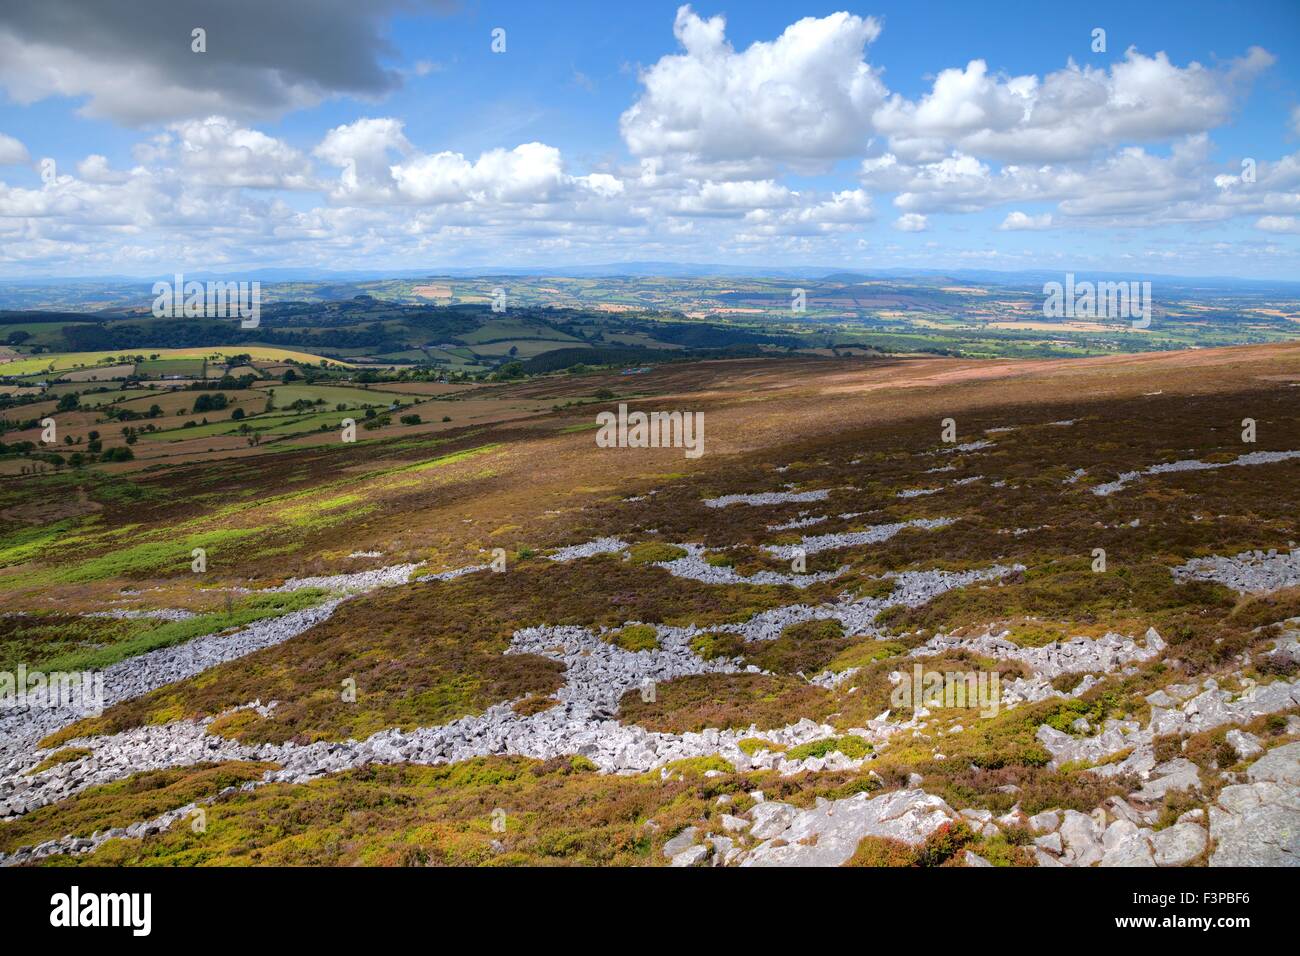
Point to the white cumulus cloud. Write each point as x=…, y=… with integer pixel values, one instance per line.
x=807, y=95
x=12, y=152
x=1070, y=114
x=1017, y=220
x=1285, y=224
x=217, y=151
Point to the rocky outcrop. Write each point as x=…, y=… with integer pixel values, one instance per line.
x=768, y=498
x=80, y=845
x=693, y=566
x=1178, y=709
x=851, y=539
x=1258, y=823
x=1251, y=572
x=22, y=728
x=1081, y=654
x=1253, y=458
x=589, y=549
x=388, y=577
x=597, y=674
x=829, y=834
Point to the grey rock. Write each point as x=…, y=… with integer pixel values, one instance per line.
x=829, y=834
x=1177, y=774
x=1082, y=838
x=771, y=819
x=1246, y=745
x=1050, y=841
x=681, y=842
x=723, y=847
x=1134, y=849
x=1079, y=654
x=1178, y=844
x=1280, y=765
x=1256, y=824
x=1250, y=571
x=1118, y=832
x=691, y=856
x=1047, y=820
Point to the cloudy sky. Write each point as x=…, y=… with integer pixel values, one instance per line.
x=331, y=134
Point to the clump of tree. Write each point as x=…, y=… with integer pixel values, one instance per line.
x=509, y=372
x=210, y=402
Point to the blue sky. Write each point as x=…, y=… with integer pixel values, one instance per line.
x=893, y=135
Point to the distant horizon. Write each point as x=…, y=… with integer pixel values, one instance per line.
x=635, y=269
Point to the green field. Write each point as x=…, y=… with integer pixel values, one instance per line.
x=525, y=348
x=189, y=368
x=273, y=424
x=495, y=329
x=286, y=395
x=63, y=361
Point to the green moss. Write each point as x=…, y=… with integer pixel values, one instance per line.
x=999, y=851
x=752, y=745
x=716, y=644
x=868, y=652
x=1074, y=766
x=698, y=766
x=230, y=724
x=655, y=552
x=1035, y=635
x=634, y=637
x=877, y=588
x=33, y=639
x=1094, y=708
x=851, y=745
